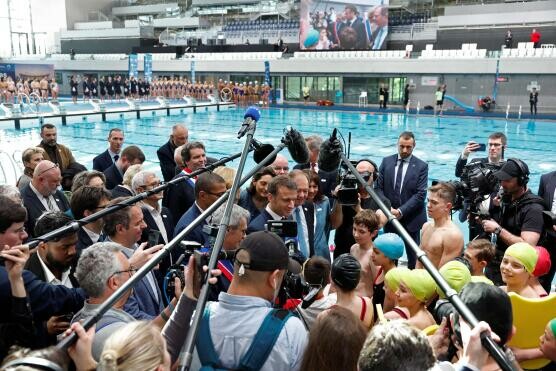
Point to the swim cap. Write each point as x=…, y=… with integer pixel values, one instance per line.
x=543, y=262
x=346, y=271
x=456, y=275
x=393, y=277
x=312, y=38
x=420, y=283
x=481, y=279
x=525, y=253
x=391, y=245
x=552, y=324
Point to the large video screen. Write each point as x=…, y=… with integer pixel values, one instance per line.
x=342, y=25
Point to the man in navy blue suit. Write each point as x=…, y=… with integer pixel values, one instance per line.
x=209, y=187
x=403, y=181
x=86, y=201
x=547, y=188
x=42, y=193
x=165, y=153
x=131, y=155
x=282, y=194
x=46, y=300
x=351, y=19
x=112, y=154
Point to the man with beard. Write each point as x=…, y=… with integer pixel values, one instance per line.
x=52, y=264
x=57, y=153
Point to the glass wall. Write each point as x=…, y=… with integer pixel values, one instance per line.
x=320, y=87
x=354, y=86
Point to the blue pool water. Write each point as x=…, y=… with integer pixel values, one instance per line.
x=439, y=140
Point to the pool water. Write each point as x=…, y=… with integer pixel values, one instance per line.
x=439, y=140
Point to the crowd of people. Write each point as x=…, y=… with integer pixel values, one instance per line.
x=366, y=305
x=44, y=87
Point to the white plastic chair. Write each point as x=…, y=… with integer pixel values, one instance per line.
x=363, y=99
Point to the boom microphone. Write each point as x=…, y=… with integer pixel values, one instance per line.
x=252, y=114
x=296, y=145
x=261, y=151
x=329, y=155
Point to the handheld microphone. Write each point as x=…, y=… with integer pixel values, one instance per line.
x=252, y=115
x=329, y=155
x=296, y=145
x=261, y=151
x=310, y=297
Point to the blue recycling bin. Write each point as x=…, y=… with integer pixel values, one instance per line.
x=339, y=97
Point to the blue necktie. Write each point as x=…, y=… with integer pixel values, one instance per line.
x=398, y=182
x=303, y=248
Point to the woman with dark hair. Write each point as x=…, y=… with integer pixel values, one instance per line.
x=340, y=326
x=322, y=215
x=254, y=198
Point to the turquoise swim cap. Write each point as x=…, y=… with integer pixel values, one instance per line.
x=312, y=38
x=391, y=245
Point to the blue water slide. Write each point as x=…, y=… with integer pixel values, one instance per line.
x=460, y=104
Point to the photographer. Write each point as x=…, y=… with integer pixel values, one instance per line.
x=342, y=216
x=517, y=216
x=230, y=328
x=497, y=144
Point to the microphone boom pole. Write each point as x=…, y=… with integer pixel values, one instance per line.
x=76, y=224
x=451, y=294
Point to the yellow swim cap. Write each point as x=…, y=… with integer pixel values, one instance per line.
x=456, y=275
x=525, y=253
x=420, y=283
x=393, y=277
x=481, y=279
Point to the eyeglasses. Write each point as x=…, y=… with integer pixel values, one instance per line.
x=45, y=170
x=131, y=271
x=216, y=194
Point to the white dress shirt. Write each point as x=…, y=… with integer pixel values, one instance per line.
x=50, y=278
x=158, y=220
x=43, y=201
x=404, y=169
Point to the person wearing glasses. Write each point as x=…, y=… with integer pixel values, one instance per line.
x=209, y=187
x=42, y=194
x=497, y=144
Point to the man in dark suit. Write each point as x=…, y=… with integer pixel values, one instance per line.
x=497, y=144
x=180, y=197
x=124, y=227
x=327, y=179
x=131, y=155
x=209, y=187
x=351, y=19
x=304, y=214
x=112, y=154
x=547, y=187
x=165, y=153
x=86, y=201
x=282, y=193
x=42, y=193
x=377, y=27
x=403, y=181
x=46, y=300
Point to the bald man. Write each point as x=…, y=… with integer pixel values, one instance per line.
x=179, y=137
x=280, y=165
x=42, y=193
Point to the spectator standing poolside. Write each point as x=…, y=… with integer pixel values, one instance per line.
x=535, y=37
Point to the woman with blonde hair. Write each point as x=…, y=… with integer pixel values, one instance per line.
x=135, y=346
x=30, y=157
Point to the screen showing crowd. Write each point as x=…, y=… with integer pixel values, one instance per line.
x=337, y=25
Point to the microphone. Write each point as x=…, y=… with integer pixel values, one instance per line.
x=252, y=115
x=329, y=155
x=261, y=151
x=296, y=145
x=310, y=297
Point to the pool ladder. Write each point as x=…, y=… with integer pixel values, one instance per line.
x=10, y=170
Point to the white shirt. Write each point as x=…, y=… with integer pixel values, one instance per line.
x=158, y=220
x=42, y=199
x=553, y=209
x=92, y=235
x=404, y=170
x=112, y=154
x=50, y=278
x=272, y=213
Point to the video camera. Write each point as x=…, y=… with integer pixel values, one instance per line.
x=348, y=193
x=477, y=182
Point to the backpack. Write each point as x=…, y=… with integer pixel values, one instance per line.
x=258, y=351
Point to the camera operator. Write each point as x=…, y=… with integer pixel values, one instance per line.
x=231, y=329
x=342, y=216
x=497, y=144
x=517, y=216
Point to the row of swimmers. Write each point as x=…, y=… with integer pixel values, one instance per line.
x=41, y=86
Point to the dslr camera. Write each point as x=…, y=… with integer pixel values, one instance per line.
x=348, y=193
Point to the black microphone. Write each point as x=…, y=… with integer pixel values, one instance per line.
x=329, y=155
x=296, y=145
x=190, y=247
x=252, y=114
x=261, y=151
x=310, y=297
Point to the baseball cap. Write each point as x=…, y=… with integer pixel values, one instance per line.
x=266, y=252
x=510, y=170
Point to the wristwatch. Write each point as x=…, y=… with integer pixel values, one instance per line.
x=498, y=230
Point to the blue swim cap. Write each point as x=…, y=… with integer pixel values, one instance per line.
x=312, y=38
x=391, y=245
